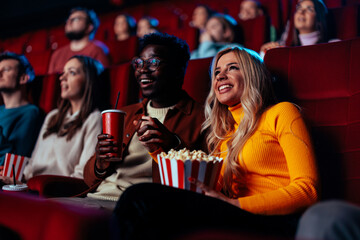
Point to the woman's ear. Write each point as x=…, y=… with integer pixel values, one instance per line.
x=24, y=79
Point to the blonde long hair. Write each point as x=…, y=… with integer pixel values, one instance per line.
x=257, y=96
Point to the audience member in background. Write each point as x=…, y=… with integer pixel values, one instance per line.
x=250, y=9
x=331, y=220
x=201, y=15
x=310, y=26
x=124, y=27
x=80, y=29
x=166, y=118
x=269, y=173
x=146, y=25
x=220, y=32
x=68, y=136
x=20, y=121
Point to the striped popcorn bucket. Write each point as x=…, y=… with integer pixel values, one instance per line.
x=175, y=173
x=19, y=163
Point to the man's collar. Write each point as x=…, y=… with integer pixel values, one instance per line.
x=183, y=105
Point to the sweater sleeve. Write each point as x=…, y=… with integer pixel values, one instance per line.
x=302, y=190
x=92, y=128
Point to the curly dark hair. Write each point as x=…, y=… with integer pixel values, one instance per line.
x=178, y=47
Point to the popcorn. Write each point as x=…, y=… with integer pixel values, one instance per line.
x=185, y=154
x=177, y=166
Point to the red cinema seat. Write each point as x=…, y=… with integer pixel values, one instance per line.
x=344, y=21
x=197, y=80
x=255, y=32
x=34, y=218
x=57, y=37
x=38, y=41
x=50, y=92
x=122, y=80
x=16, y=44
x=324, y=81
x=122, y=51
x=39, y=61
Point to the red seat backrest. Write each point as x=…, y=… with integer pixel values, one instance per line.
x=324, y=80
x=39, y=61
x=255, y=32
x=122, y=51
x=38, y=41
x=50, y=92
x=345, y=21
x=197, y=79
x=122, y=79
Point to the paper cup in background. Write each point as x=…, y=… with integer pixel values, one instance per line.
x=175, y=172
x=113, y=124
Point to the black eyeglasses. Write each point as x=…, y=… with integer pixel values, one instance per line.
x=151, y=63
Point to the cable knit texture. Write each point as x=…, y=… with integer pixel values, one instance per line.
x=279, y=161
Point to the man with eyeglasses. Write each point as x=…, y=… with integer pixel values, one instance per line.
x=167, y=118
x=20, y=121
x=80, y=29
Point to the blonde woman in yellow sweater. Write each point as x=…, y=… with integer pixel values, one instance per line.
x=269, y=174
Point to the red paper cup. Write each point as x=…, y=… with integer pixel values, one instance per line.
x=113, y=124
x=175, y=172
x=15, y=188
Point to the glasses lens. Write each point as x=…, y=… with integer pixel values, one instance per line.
x=153, y=63
x=137, y=63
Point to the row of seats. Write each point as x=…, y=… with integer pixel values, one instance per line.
x=322, y=79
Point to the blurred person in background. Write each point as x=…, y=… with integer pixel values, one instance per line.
x=146, y=25
x=80, y=29
x=124, y=27
x=250, y=9
x=220, y=32
x=310, y=26
x=20, y=121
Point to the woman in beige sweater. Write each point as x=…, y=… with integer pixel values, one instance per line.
x=68, y=136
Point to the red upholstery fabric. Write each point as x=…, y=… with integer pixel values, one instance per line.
x=37, y=219
x=122, y=51
x=197, y=79
x=345, y=22
x=56, y=186
x=16, y=44
x=39, y=61
x=50, y=92
x=255, y=32
x=324, y=80
x=122, y=79
x=38, y=41
x=57, y=37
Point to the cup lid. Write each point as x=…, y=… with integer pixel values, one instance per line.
x=113, y=110
x=17, y=187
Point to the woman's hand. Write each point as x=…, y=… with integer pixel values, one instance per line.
x=213, y=193
x=154, y=135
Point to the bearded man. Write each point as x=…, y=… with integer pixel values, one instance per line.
x=80, y=29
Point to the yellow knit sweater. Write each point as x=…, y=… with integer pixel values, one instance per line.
x=281, y=174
